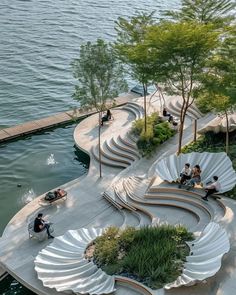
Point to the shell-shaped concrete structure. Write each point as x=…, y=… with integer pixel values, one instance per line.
x=219, y=124
x=211, y=164
x=205, y=257
x=62, y=265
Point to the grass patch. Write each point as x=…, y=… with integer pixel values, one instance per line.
x=157, y=133
x=151, y=255
x=215, y=143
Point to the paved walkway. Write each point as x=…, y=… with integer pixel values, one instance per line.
x=85, y=207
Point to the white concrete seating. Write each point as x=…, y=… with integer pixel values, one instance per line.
x=211, y=164
x=219, y=124
x=132, y=190
x=205, y=257
x=174, y=107
x=39, y=236
x=135, y=109
x=62, y=265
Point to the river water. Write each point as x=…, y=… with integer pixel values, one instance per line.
x=38, y=41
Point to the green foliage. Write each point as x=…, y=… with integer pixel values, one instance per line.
x=218, y=81
x=218, y=12
x=215, y=143
x=99, y=74
x=157, y=132
x=152, y=255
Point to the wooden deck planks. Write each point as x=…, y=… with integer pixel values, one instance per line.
x=54, y=120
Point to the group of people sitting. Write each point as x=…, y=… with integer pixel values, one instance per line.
x=190, y=177
x=170, y=119
x=106, y=117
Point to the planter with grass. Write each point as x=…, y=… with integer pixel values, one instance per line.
x=153, y=256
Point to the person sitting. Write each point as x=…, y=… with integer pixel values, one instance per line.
x=40, y=225
x=172, y=121
x=211, y=188
x=165, y=113
x=59, y=193
x=195, y=176
x=106, y=117
x=185, y=174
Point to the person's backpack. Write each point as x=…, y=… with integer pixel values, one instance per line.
x=50, y=196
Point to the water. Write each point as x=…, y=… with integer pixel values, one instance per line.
x=35, y=164
x=39, y=39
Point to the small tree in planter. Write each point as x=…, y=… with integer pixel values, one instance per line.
x=132, y=50
x=180, y=51
x=100, y=79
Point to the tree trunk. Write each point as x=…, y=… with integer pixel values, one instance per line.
x=227, y=134
x=145, y=106
x=99, y=144
x=181, y=129
x=195, y=130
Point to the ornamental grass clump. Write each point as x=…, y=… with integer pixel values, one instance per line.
x=151, y=255
x=156, y=133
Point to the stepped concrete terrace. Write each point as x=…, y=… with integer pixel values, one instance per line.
x=85, y=207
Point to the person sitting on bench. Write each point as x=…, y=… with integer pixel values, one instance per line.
x=165, y=113
x=195, y=177
x=40, y=225
x=211, y=188
x=107, y=117
x=185, y=174
x=59, y=193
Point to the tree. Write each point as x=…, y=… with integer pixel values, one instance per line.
x=217, y=12
x=180, y=51
x=131, y=49
x=100, y=78
x=218, y=82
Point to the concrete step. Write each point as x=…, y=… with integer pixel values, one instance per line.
x=119, y=152
x=127, y=148
x=108, y=162
x=108, y=153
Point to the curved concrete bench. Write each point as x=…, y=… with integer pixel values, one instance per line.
x=62, y=265
x=135, y=109
x=205, y=257
x=174, y=107
x=219, y=125
x=211, y=164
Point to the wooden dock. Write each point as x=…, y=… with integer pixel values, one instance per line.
x=54, y=120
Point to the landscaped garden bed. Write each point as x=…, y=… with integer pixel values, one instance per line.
x=153, y=256
x=157, y=132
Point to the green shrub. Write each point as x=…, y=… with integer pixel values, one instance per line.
x=153, y=255
x=157, y=132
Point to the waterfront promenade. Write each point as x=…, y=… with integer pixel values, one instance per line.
x=55, y=120
x=85, y=207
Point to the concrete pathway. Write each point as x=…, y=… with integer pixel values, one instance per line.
x=85, y=207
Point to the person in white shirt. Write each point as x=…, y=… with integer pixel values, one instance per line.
x=185, y=174
x=212, y=188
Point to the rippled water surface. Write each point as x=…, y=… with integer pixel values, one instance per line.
x=38, y=41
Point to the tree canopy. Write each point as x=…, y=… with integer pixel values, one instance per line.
x=218, y=12
x=99, y=75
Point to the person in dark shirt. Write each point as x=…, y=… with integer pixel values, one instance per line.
x=40, y=225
